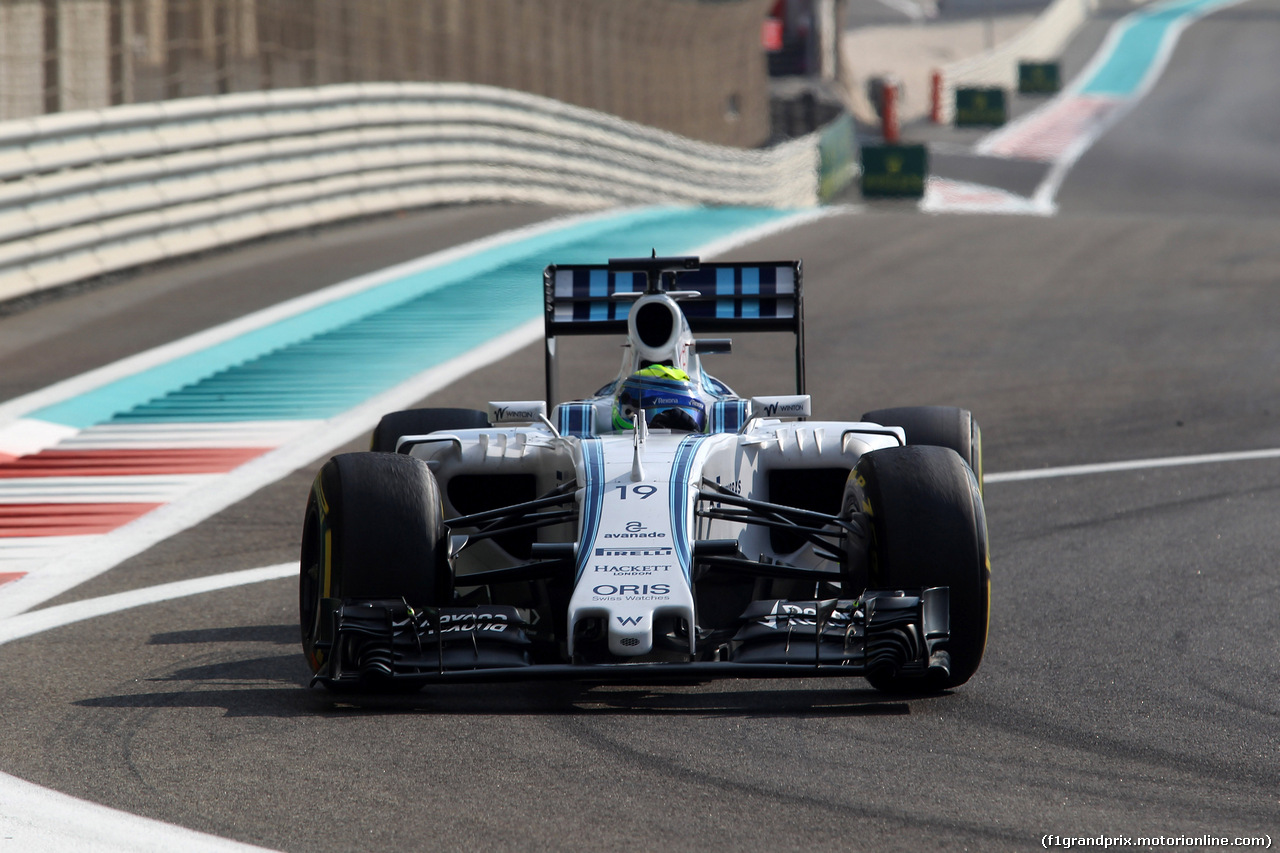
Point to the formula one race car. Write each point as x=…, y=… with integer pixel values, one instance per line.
x=663, y=529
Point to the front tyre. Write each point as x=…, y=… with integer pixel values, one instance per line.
x=929, y=529
x=373, y=529
x=420, y=422
x=940, y=426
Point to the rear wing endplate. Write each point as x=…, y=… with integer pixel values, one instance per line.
x=732, y=297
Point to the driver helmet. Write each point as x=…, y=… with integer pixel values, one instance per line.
x=667, y=397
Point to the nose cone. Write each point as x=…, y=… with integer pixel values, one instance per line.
x=630, y=634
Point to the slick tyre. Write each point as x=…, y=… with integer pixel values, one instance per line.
x=929, y=529
x=372, y=529
x=420, y=422
x=940, y=426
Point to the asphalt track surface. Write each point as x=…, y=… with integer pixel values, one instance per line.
x=1207, y=146
x=1129, y=686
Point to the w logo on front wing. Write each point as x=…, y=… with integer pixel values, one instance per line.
x=630, y=620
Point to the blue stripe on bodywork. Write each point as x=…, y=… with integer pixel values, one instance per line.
x=592, y=501
x=728, y=415
x=577, y=419
x=679, y=502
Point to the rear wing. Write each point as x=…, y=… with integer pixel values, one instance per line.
x=732, y=297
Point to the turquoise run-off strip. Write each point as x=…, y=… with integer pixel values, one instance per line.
x=326, y=360
x=1142, y=38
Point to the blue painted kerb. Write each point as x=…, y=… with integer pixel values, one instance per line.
x=1143, y=36
x=324, y=361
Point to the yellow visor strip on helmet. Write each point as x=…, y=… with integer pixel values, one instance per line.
x=661, y=371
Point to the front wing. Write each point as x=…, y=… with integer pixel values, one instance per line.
x=891, y=632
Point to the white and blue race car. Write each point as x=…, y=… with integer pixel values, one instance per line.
x=663, y=529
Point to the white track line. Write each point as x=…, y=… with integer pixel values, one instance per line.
x=38, y=819
x=1134, y=465
x=35, y=819
x=115, y=547
x=1043, y=201
x=916, y=12
x=57, y=393
x=313, y=442
x=14, y=409
x=17, y=627
x=35, y=622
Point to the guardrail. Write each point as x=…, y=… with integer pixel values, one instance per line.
x=1043, y=39
x=91, y=192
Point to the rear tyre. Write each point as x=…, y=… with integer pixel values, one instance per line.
x=422, y=421
x=373, y=529
x=940, y=426
x=929, y=529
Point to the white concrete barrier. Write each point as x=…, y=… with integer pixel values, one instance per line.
x=90, y=192
x=1043, y=40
